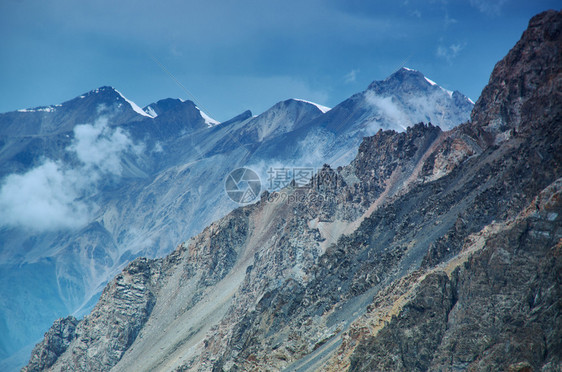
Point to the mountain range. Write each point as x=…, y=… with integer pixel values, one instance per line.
x=90, y=184
x=432, y=249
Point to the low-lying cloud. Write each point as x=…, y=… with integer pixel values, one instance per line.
x=100, y=147
x=54, y=195
x=44, y=198
x=389, y=111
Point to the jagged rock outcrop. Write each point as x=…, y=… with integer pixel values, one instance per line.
x=431, y=251
x=56, y=341
x=98, y=342
x=524, y=87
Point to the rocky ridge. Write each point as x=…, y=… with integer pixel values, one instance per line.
x=99, y=346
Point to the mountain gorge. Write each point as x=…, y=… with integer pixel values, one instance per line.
x=434, y=248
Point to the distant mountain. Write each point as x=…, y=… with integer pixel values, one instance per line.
x=410, y=91
x=431, y=250
x=134, y=181
x=403, y=99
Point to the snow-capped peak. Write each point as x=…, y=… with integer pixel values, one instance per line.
x=208, y=120
x=133, y=105
x=324, y=109
x=431, y=82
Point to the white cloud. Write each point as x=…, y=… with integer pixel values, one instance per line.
x=388, y=109
x=450, y=52
x=45, y=198
x=488, y=7
x=99, y=146
x=416, y=13
x=449, y=21
x=351, y=76
x=53, y=195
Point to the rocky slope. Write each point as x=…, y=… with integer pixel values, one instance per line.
x=431, y=250
x=494, y=306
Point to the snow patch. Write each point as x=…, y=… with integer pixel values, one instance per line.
x=324, y=109
x=150, y=111
x=433, y=83
x=39, y=109
x=430, y=81
x=133, y=105
x=408, y=69
x=208, y=120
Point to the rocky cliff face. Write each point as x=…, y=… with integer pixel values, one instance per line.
x=55, y=343
x=493, y=307
x=524, y=87
x=99, y=341
x=432, y=250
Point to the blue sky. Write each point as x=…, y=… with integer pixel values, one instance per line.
x=234, y=55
